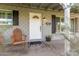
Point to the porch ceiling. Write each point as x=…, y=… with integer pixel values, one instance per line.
x=43, y=6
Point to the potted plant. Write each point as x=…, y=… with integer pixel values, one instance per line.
x=48, y=38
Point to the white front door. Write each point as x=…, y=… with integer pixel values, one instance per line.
x=35, y=27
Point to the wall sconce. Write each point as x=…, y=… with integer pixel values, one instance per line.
x=46, y=21
x=44, y=18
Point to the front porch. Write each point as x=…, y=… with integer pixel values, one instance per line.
x=36, y=50
x=47, y=20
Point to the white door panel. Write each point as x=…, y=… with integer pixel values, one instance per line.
x=35, y=26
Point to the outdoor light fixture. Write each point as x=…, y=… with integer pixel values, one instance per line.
x=46, y=21
x=44, y=18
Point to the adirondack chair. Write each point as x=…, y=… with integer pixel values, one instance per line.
x=17, y=37
x=1, y=39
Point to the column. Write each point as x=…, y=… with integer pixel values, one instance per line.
x=66, y=7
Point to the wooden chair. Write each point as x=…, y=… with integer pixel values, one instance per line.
x=2, y=46
x=17, y=37
x=1, y=39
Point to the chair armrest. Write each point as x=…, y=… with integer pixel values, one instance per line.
x=17, y=43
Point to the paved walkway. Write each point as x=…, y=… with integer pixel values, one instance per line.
x=56, y=48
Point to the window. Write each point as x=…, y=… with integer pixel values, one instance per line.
x=59, y=24
x=15, y=17
x=53, y=23
x=73, y=24
x=6, y=17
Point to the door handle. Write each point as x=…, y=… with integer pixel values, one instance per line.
x=40, y=28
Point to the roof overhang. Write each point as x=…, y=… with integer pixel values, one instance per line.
x=42, y=6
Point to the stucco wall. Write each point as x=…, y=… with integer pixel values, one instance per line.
x=24, y=21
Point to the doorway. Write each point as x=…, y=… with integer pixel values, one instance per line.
x=35, y=27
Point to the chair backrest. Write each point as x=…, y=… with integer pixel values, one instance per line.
x=1, y=39
x=17, y=35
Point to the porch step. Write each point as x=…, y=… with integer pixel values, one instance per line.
x=34, y=43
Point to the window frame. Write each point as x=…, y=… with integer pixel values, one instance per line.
x=60, y=21
x=6, y=16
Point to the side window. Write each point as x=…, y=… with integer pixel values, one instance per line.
x=5, y=17
x=73, y=24
x=59, y=24
x=53, y=23
x=15, y=18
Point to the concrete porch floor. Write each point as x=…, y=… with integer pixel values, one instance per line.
x=56, y=48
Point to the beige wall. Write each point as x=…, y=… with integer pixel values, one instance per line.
x=24, y=21
x=76, y=16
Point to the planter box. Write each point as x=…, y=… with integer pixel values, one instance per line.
x=48, y=38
